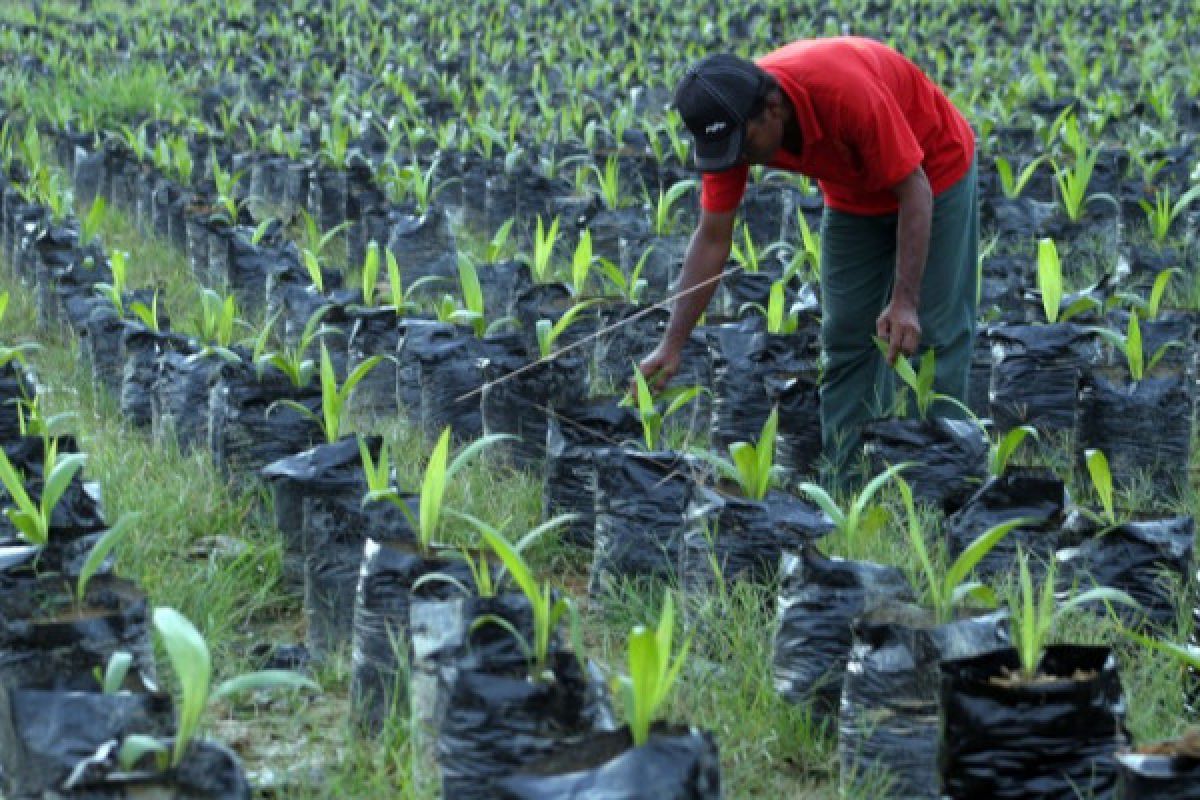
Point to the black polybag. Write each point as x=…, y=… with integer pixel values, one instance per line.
x=376, y=331
x=16, y=386
x=1054, y=739
x=249, y=428
x=798, y=445
x=640, y=501
x=1152, y=560
x=494, y=723
x=819, y=600
x=1144, y=428
x=1036, y=495
x=450, y=379
x=729, y=538
x=208, y=771
x=743, y=358
x=575, y=435
x=415, y=335
x=380, y=657
x=144, y=349
x=41, y=634
x=519, y=394
x=45, y=733
x=674, y=764
x=888, y=725
x=1157, y=777
x=181, y=394
x=947, y=457
x=1035, y=374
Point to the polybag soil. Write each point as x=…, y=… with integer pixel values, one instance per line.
x=674, y=764
x=1052, y=739
x=494, y=723
x=1035, y=374
x=640, y=501
x=948, y=457
x=888, y=726
x=819, y=599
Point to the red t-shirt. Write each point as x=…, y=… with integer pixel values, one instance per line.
x=868, y=117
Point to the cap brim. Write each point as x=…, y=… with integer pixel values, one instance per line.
x=720, y=155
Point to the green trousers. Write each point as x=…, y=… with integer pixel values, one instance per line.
x=858, y=266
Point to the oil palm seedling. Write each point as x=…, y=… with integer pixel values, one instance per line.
x=851, y=521
x=1013, y=182
x=92, y=223
x=1050, y=286
x=540, y=258
x=291, y=360
x=549, y=332
x=32, y=518
x=665, y=207
x=778, y=317
x=950, y=588
x=1130, y=345
x=439, y=471
x=1162, y=214
x=190, y=659
x=114, y=292
x=745, y=252
x=1100, y=475
x=1002, y=449
x=334, y=398
x=920, y=382
x=654, y=665
x=653, y=419
x=751, y=465
x=314, y=240
x=632, y=287
x=1034, y=611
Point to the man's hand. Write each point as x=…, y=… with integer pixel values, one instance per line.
x=900, y=327
x=658, y=367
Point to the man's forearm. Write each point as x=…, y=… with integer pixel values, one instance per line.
x=913, y=226
x=702, y=267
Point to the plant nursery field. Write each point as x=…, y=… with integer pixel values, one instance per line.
x=321, y=476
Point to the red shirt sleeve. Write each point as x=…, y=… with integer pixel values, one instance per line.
x=722, y=191
x=873, y=122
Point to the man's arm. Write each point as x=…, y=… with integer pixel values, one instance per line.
x=707, y=253
x=899, y=324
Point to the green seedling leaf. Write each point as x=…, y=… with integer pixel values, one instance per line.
x=1101, y=475
x=116, y=671
x=264, y=679
x=1049, y=273
x=189, y=657
x=100, y=550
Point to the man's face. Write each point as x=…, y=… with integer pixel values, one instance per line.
x=764, y=134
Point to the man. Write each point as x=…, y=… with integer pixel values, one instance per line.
x=899, y=237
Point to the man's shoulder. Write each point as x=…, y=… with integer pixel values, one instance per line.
x=816, y=63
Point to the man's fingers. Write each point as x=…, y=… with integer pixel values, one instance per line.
x=882, y=326
x=894, y=344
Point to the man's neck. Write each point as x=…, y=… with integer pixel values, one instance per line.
x=793, y=139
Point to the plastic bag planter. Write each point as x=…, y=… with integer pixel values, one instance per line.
x=1053, y=739
x=144, y=349
x=675, y=764
x=101, y=344
x=16, y=385
x=1170, y=772
x=889, y=723
x=743, y=358
x=1035, y=494
x=451, y=378
x=1035, y=374
x=208, y=771
x=450, y=635
x=327, y=196
x=66, y=289
x=496, y=723
x=181, y=393
x=575, y=435
x=246, y=430
x=424, y=245
x=1152, y=560
x=640, y=501
x=1143, y=427
x=519, y=395
x=316, y=496
x=948, y=456
x=728, y=538
x=375, y=331
x=45, y=733
x=632, y=339
x=44, y=632
x=380, y=654
x=818, y=602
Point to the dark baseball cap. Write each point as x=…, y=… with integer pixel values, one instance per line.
x=715, y=98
